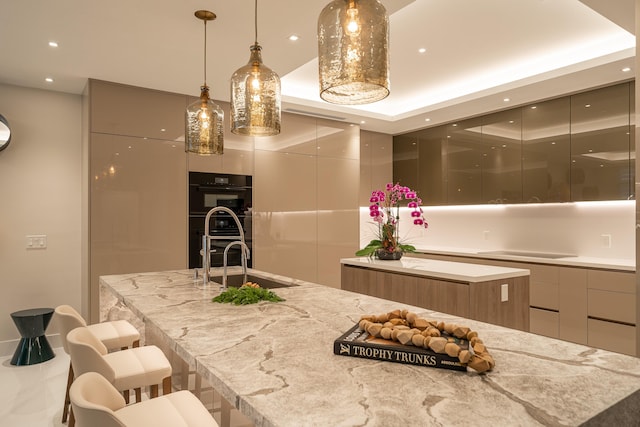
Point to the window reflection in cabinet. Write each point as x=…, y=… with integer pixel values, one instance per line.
x=600, y=144
x=546, y=150
x=464, y=155
x=501, y=157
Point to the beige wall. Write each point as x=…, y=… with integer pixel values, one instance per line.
x=40, y=193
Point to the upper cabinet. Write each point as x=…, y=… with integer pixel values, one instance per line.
x=574, y=148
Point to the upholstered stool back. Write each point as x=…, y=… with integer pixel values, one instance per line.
x=94, y=401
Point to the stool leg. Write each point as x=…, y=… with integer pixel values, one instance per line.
x=136, y=343
x=67, y=400
x=125, y=394
x=154, y=391
x=166, y=385
x=138, y=395
x=72, y=418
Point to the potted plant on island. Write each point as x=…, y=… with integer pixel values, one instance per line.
x=385, y=211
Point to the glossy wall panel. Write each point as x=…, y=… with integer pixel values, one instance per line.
x=138, y=205
x=546, y=150
x=285, y=218
x=126, y=110
x=306, y=187
x=575, y=148
x=376, y=163
x=338, y=226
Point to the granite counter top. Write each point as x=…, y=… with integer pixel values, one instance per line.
x=275, y=363
x=447, y=270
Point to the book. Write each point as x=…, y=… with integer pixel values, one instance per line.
x=358, y=343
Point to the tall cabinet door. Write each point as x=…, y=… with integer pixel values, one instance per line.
x=138, y=183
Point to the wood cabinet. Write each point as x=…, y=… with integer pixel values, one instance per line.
x=476, y=300
x=595, y=307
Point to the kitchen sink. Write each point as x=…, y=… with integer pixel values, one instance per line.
x=237, y=280
x=528, y=254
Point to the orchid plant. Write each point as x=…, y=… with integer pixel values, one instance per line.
x=385, y=211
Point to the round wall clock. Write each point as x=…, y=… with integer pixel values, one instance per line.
x=5, y=133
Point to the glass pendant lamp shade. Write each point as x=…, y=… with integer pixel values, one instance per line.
x=204, y=126
x=204, y=131
x=353, y=58
x=255, y=98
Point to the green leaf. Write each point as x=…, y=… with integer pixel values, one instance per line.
x=407, y=248
x=246, y=295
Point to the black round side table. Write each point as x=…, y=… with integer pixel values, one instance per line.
x=33, y=347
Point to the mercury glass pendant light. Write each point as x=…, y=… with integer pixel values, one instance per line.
x=255, y=95
x=353, y=40
x=204, y=118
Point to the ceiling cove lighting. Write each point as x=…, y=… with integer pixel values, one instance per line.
x=353, y=58
x=204, y=118
x=255, y=95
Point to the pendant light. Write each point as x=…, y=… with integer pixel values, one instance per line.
x=353, y=59
x=255, y=95
x=204, y=118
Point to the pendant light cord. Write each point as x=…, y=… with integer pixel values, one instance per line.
x=205, y=52
x=256, y=19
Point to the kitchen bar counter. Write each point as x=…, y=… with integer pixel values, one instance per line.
x=470, y=273
x=275, y=363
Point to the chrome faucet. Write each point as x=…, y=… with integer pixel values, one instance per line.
x=206, y=244
x=244, y=257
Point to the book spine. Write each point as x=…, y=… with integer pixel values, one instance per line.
x=435, y=360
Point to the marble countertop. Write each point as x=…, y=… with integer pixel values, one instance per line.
x=447, y=270
x=622, y=264
x=275, y=363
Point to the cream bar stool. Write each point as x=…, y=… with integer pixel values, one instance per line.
x=132, y=368
x=96, y=403
x=115, y=335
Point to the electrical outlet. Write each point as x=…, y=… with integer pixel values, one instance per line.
x=486, y=234
x=606, y=240
x=504, y=292
x=36, y=241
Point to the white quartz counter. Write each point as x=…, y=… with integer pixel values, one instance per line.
x=446, y=270
x=274, y=362
x=621, y=264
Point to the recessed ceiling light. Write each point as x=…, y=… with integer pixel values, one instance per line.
x=293, y=37
x=553, y=143
x=533, y=107
x=626, y=69
x=53, y=43
x=511, y=121
x=427, y=119
x=507, y=99
x=454, y=125
x=362, y=122
x=48, y=80
x=422, y=50
x=163, y=130
x=587, y=105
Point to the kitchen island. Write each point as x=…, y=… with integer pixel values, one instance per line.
x=491, y=294
x=274, y=362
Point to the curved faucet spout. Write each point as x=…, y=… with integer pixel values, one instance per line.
x=244, y=257
x=206, y=242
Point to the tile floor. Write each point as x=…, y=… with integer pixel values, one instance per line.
x=33, y=395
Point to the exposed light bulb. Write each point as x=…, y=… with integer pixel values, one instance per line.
x=353, y=21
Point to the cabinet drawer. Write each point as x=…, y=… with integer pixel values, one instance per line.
x=616, y=306
x=612, y=336
x=544, y=295
x=543, y=322
x=615, y=281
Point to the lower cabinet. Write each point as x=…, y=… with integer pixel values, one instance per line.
x=595, y=307
x=479, y=301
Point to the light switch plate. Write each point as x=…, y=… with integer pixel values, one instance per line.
x=36, y=241
x=504, y=292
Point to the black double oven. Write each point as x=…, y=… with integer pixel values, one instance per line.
x=207, y=191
